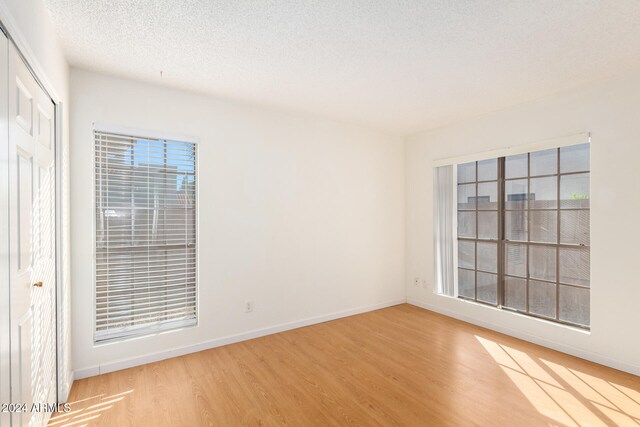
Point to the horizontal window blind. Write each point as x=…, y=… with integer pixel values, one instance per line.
x=145, y=235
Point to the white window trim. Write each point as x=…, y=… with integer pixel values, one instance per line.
x=564, y=141
x=552, y=143
x=149, y=330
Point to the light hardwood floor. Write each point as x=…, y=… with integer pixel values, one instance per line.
x=397, y=366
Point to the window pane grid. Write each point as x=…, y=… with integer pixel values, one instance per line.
x=478, y=216
x=545, y=211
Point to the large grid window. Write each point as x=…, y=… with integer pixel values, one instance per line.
x=523, y=233
x=145, y=235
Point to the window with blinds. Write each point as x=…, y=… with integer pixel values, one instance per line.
x=145, y=235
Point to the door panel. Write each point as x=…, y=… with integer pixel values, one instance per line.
x=23, y=213
x=24, y=394
x=24, y=107
x=32, y=243
x=45, y=129
x=45, y=207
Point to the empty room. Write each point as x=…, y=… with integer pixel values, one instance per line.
x=319, y=213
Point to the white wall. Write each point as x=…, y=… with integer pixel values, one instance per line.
x=301, y=215
x=29, y=25
x=611, y=112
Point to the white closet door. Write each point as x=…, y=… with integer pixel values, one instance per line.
x=32, y=243
x=5, y=385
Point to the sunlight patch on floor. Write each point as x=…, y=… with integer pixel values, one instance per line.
x=84, y=410
x=612, y=393
x=566, y=396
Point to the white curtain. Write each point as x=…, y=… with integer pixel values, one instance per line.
x=443, y=229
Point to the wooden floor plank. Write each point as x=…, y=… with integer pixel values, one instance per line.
x=400, y=366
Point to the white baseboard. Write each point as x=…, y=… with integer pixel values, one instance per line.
x=593, y=357
x=256, y=333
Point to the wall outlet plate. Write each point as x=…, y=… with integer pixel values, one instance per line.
x=248, y=306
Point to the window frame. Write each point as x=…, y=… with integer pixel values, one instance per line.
x=503, y=242
x=128, y=333
x=476, y=182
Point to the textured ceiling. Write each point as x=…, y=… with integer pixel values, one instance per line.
x=402, y=66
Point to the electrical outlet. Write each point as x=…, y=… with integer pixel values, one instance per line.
x=248, y=306
x=416, y=281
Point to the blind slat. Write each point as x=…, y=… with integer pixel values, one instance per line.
x=117, y=268
x=148, y=282
x=145, y=307
x=156, y=271
x=159, y=313
x=168, y=323
x=125, y=295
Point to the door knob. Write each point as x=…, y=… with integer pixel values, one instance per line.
x=38, y=284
